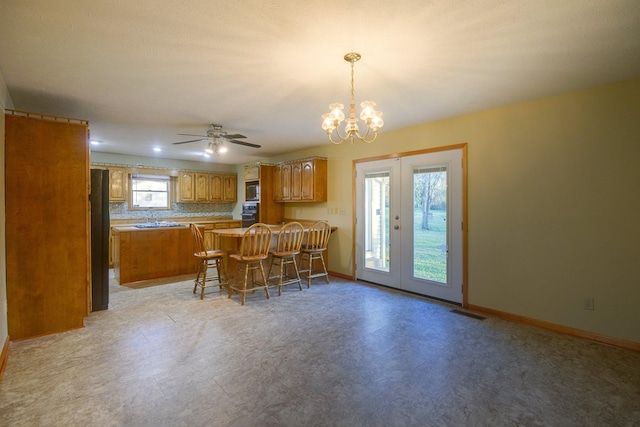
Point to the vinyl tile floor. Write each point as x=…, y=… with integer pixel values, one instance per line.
x=339, y=354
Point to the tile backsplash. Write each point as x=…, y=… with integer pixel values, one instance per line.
x=120, y=210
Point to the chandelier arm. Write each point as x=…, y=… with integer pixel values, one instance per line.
x=375, y=135
x=346, y=135
x=340, y=141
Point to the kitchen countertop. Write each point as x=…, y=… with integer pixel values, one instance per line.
x=275, y=229
x=120, y=223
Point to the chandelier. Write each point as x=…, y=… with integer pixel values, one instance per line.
x=335, y=116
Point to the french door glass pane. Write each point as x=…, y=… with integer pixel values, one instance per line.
x=430, y=224
x=376, y=227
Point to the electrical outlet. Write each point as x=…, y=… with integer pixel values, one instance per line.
x=587, y=303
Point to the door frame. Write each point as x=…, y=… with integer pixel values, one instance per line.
x=465, y=219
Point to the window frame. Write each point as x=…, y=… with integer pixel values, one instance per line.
x=151, y=177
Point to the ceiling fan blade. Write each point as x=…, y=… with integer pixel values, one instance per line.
x=193, y=140
x=234, y=136
x=189, y=134
x=248, y=144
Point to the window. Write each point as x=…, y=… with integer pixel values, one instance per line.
x=150, y=192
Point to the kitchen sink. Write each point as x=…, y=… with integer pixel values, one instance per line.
x=158, y=224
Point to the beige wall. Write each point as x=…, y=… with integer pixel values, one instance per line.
x=553, y=204
x=5, y=102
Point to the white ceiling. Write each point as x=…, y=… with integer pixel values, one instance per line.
x=142, y=71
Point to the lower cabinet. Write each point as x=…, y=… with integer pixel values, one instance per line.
x=211, y=241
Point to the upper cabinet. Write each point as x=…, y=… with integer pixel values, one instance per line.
x=207, y=187
x=202, y=187
x=216, y=187
x=186, y=187
x=117, y=184
x=252, y=172
x=230, y=188
x=302, y=180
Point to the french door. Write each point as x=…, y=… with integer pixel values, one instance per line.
x=409, y=214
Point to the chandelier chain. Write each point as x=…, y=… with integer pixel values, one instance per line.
x=353, y=97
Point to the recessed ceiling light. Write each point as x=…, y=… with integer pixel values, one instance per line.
x=157, y=149
x=95, y=142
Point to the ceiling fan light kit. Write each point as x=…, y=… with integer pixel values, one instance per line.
x=216, y=138
x=372, y=118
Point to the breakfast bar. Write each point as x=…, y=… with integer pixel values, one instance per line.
x=229, y=240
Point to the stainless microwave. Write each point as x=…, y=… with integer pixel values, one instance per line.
x=252, y=191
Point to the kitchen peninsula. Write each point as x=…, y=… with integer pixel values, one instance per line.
x=159, y=250
x=152, y=253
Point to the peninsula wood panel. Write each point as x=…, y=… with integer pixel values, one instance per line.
x=143, y=254
x=47, y=225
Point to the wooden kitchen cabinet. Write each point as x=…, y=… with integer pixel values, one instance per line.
x=252, y=172
x=186, y=187
x=211, y=241
x=278, y=186
x=223, y=188
x=207, y=187
x=209, y=238
x=118, y=178
x=230, y=188
x=216, y=193
x=295, y=181
x=48, y=270
x=270, y=211
x=201, y=187
x=152, y=253
x=302, y=180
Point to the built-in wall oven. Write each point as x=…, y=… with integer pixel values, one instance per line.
x=250, y=214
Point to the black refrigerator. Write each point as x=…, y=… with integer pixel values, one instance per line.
x=99, y=200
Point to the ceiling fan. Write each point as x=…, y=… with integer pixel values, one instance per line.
x=216, y=137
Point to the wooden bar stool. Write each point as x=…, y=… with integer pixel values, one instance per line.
x=254, y=248
x=313, y=248
x=285, y=253
x=206, y=260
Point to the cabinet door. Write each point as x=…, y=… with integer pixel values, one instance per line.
x=251, y=172
x=216, y=188
x=186, y=186
x=307, y=180
x=286, y=181
x=296, y=181
x=230, y=193
x=202, y=187
x=117, y=184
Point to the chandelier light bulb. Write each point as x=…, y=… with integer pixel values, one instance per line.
x=372, y=118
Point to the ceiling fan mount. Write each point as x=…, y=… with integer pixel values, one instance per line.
x=216, y=137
